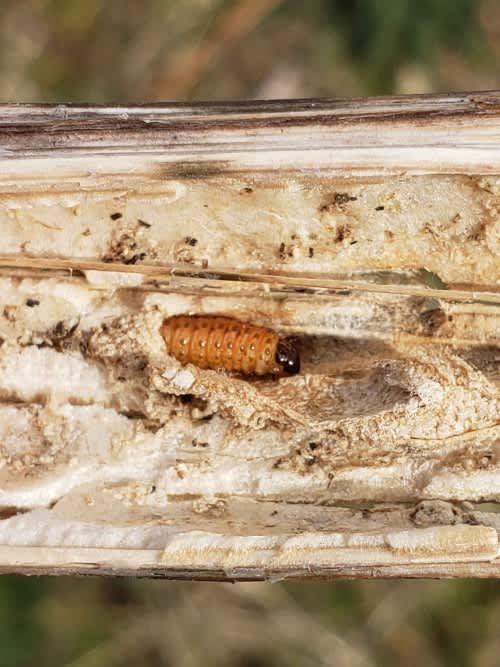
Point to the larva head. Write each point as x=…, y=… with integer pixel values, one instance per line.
x=287, y=357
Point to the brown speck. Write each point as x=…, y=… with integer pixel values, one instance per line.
x=116, y=216
x=281, y=251
x=31, y=303
x=344, y=197
x=190, y=240
x=123, y=249
x=388, y=234
x=311, y=252
x=478, y=233
x=343, y=231
x=246, y=191
x=353, y=242
x=6, y=511
x=60, y=334
x=143, y=223
x=379, y=208
x=336, y=201
x=428, y=229
x=135, y=258
x=198, y=443
x=87, y=232
x=431, y=320
x=204, y=263
x=9, y=313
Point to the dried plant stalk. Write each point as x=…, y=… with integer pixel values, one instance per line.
x=367, y=230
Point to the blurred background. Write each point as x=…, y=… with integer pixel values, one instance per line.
x=157, y=50
x=150, y=50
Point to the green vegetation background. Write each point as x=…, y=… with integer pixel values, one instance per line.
x=97, y=51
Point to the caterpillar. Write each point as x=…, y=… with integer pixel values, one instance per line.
x=212, y=341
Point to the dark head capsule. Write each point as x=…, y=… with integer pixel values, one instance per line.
x=287, y=357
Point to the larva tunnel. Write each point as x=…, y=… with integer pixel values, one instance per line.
x=225, y=343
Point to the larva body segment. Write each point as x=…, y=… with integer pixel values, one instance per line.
x=225, y=343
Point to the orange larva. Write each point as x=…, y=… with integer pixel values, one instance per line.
x=225, y=343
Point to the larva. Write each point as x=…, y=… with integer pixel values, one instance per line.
x=226, y=343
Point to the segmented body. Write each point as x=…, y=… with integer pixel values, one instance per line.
x=221, y=343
